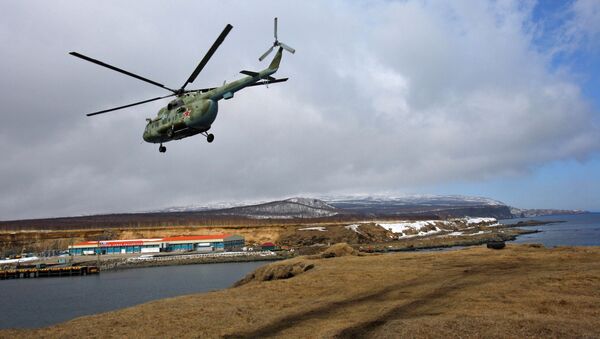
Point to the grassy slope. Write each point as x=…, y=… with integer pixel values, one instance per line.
x=516, y=292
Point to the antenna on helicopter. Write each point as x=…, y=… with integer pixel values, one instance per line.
x=277, y=43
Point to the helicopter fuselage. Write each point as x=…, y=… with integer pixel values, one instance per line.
x=184, y=117
x=194, y=112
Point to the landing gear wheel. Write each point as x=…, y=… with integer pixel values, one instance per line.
x=162, y=149
x=210, y=138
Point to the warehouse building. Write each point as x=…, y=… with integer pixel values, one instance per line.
x=202, y=243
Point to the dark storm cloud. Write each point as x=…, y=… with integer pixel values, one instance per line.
x=382, y=96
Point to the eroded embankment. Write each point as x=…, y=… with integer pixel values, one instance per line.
x=521, y=291
x=39, y=241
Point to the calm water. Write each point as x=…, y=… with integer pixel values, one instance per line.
x=578, y=230
x=45, y=301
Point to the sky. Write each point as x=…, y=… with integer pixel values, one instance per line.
x=498, y=99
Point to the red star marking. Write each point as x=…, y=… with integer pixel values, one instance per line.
x=186, y=114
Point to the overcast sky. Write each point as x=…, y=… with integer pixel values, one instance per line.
x=497, y=99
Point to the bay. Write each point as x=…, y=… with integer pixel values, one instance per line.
x=30, y=303
x=576, y=230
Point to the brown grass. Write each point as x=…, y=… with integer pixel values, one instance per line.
x=520, y=291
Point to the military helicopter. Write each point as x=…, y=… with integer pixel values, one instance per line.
x=193, y=111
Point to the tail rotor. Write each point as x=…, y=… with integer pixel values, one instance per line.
x=277, y=43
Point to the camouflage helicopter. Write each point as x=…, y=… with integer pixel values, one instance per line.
x=193, y=111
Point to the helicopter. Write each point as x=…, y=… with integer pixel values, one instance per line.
x=194, y=111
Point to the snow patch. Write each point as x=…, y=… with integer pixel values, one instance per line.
x=401, y=227
x=459, y=233
x=320, y=229
x=13, y=261
x=480, y=232
x=421, y=234
x=481, y=221
x=354, y=227
x=407, y=225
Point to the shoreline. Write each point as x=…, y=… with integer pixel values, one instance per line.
x=514, y=292
x=501, y=232
x=429, y=243
x=125, y=264
x=497, y=233
x=461, y=242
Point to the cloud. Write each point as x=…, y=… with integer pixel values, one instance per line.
x=383, y=96
x=575, y=26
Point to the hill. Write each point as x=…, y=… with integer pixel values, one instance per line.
x=443, y=206
x=332, y=209
x=284, y=209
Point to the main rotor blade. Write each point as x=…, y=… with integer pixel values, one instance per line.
x=134, y=104
x=208, y=55
x=287, y=48
x=266, y=53
x=98, y=62
x=275, y=29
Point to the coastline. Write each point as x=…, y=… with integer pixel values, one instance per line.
x=495, y=233
x=121, y=264
x=415, y=244
x=514, y=292
x=502, y=232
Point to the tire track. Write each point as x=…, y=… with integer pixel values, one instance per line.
x=386, y=293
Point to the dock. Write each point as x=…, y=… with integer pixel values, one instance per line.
x=26, y=273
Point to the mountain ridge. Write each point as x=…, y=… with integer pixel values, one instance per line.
x=341, y=207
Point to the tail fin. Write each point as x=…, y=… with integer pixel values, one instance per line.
x=274, y=65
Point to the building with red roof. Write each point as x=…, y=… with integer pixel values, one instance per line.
x=268, y=246
x=204, y=243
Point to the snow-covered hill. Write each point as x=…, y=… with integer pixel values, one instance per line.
x=442, y=206
x=284, y=209
x=423, y=200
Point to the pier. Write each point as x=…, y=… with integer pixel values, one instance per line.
x=26, y=273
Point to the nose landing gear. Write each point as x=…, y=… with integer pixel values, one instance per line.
x=162, y=149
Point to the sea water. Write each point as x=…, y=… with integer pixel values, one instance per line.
x=46, y=301
x=576, y=230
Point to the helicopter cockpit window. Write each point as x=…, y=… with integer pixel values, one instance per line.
x=174, y=104
x=181, y=109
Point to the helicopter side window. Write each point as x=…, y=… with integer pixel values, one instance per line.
x=181, y=109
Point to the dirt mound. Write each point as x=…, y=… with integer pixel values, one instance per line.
x=338, y=250
x=290, y=268
x=283, y=270
x=324, y=235
x=371, y=232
